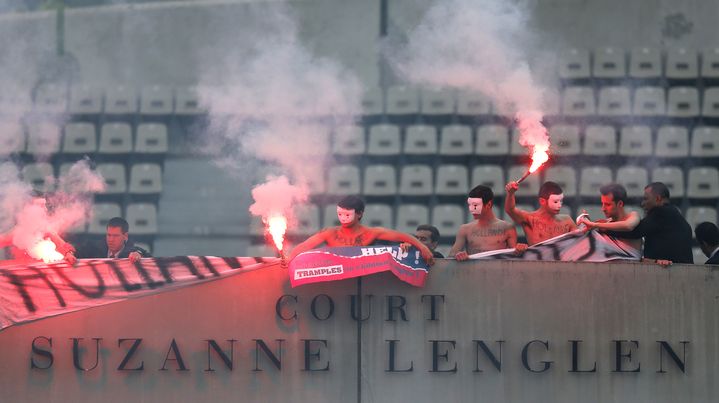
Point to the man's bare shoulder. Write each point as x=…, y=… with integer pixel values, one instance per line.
x=505, y=225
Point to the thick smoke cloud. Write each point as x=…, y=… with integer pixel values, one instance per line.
x=273, y=100
x=477, y=45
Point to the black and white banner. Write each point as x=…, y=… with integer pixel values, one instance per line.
x=575, y=246
x=36, y=291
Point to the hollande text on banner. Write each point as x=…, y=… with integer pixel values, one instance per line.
x=36, y=291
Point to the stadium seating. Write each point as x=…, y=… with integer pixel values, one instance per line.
x=649, y=102
x=609, y=62
x=380, y=180
x=672, y=142
x=343, y=180
x=80, y=138
x=455, y=140
x=565, y=140
x=12, y=138
x=673, y=177
x=705, y=142
x=447, y=218
x=151, y=138
x=85, y=100
x=114, y=176
x=592, y=178
x=491, y=176
x=437, y=102
x=43, y=138
x=492, y=140
x=372, y=102
x=710, y=64
x=473, y=104
x=574, y=64
x=101, y=214
x=600, y=140
x=384, y=140
x=614, y=101
x=156, y=100
x=703, y=183
x=635, y=141
x=682, y=64
x=645, y=63
x=416, y=180
x=579, y=101
x=564, y=176
x=40, y=176
x=115, y=138
x=683, y=102
x=145, y=178
x=452, y=180
x=402, y=100
x=378, y=215
x=420, y=140
x=142, y=218
x=121, y=100
x=349, y=140
x=409, y=216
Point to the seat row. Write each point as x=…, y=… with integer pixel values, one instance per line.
x=144, y=178
x=645, y=102
x=118, y=100
x=495, y=140
x=142, y=218
x=456, y=180
x=446, y=217
x=642, y=62
x=81, y=138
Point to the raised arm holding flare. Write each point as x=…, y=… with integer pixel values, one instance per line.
x=545, y=222
x=352, y=233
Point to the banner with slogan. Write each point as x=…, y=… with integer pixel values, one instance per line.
x=338, y=263
x=575, y=246
x=36, y=291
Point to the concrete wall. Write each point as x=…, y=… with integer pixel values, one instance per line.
x=512, y=302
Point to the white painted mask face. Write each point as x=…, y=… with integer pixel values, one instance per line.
x=345, y=216
x=554, y=202
x=475, y=205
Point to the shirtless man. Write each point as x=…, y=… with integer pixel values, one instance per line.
x=545, y=222
x=613, y=198
x=486, y=232
x=352, y=233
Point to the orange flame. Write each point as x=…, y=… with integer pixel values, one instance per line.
x=276, y=226
x=46, y=251
x=539, y=157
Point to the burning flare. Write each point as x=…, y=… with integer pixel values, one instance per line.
x=534, y=136
x=539, y=157
x=276, y=226
x=46, y=250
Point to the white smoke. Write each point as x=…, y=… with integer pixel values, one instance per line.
x=277, y=103
x=27, y=218
x=478, y=45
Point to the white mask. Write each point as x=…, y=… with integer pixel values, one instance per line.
x=475, y=205
x=554, y=202
x=345, y=216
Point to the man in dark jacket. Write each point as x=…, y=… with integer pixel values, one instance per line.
x=667, y=235
x=116, y=245
x=708, y=237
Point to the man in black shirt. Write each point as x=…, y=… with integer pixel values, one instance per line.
x=429, y=236
x=708, y=237
x=667, y=235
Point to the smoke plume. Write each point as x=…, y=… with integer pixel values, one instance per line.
x=278, y=103
x=482, y=46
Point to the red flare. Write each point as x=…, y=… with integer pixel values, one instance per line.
x=46, y=250
x=277, y=226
